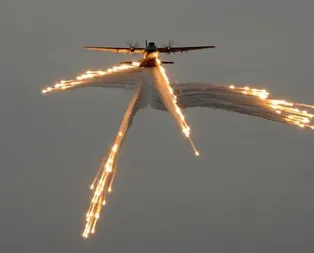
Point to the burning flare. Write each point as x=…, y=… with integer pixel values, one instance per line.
x=91, y=76
x=245, y=100
x=170, y=101
x=102, y=184
x=292, y=113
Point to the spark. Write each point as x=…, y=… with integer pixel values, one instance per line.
x=89, y=75
x=166, y=92
x=107, y=171
x=241, y=99
x=102, y=184
x=293, y=113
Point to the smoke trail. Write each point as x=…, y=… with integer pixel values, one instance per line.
x=243, y=100
x=103, y=181
x=162, y=96
x=122, y=76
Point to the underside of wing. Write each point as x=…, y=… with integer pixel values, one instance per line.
x=124, y=50
x=169, y=50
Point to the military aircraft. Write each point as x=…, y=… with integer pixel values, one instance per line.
x=150, y=52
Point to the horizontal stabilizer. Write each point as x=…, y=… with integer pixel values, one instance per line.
x=130, y=63
x=126, y=62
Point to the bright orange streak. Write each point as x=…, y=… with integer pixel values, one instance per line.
x=170, y=101
x=66, y=84
x=293, y=112
x=105, y=176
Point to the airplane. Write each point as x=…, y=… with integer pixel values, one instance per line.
x=150, y=52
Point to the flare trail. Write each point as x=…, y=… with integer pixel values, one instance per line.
x=159, y=94
x=103, y=181
x=245, y=100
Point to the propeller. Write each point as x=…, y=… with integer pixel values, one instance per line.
x=168, y=45
x=132, y=45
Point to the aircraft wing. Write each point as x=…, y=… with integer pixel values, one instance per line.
x=169, y=50
x=124, y=50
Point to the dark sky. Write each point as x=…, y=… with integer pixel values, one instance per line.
x=252, y=188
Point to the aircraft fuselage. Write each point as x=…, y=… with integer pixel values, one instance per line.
x=150, y=56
